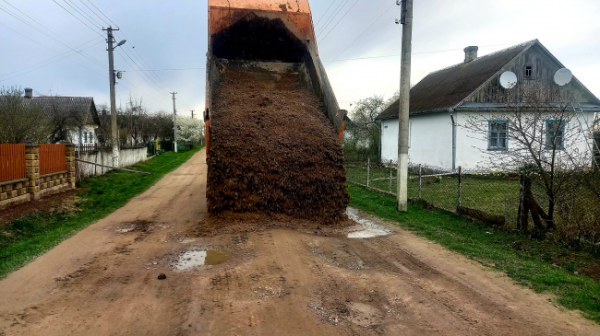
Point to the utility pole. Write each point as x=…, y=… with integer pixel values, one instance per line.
x=113, y=109
x=405, y=65
x=174, y=123
x=192, y=114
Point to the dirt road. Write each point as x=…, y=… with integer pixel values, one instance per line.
x=104, y=281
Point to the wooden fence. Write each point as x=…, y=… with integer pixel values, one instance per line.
x=52, y=158
x=12, y=162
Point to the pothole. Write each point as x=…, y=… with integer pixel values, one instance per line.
x=191, y=259
x=370, y=228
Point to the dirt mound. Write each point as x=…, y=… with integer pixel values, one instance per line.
x=273, y=150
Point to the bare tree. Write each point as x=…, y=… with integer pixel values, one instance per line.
x=22, y=121
x=537, y=133
x=364, y=128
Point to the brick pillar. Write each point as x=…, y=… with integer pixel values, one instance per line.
x=70, y=158
x=32, y=164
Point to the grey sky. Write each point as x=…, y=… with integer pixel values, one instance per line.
x=172, y=35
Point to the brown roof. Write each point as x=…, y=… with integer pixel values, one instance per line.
x=444, y=89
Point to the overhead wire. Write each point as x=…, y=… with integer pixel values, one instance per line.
x=51, y=58
x=340, y=20
x=332, y=17
x=322, y=16
x=43, y=32
x=41, y=66
x=364, y=31
x=66, y=10
x=82, y=13
x=91, y=3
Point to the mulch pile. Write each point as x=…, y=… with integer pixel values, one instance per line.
x=273, y=151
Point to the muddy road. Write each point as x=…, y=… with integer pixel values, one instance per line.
x=105, y=281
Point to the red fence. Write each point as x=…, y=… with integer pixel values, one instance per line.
x=52, y=158
x=12, y=162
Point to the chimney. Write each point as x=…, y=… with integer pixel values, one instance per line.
x=28, y=93
x=470, y=53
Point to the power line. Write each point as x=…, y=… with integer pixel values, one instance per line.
x=65, y=43
x=91, y=10
x=66, y=10
x=414, y=53
x=41, y=66
x=91, y=3
x=364, y=31
x=334, y=14
x=340, y=20
x=51, y=58
x=322, y=16
x=82, y=13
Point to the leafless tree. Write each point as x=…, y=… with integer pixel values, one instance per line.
x=21, y=121
x=536, y=132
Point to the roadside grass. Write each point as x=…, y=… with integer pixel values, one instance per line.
x=539, y=265
x=26, y=238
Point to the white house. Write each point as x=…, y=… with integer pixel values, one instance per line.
x=75, y=118
x=442, y=103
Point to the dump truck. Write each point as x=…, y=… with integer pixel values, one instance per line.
x=273, y=124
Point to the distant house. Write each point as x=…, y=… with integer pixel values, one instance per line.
x=442, y=101
x=75, y=118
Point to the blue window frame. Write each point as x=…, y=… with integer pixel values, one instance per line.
x=498, y=135
x=555, y=134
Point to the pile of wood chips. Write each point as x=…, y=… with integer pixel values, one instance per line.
x=273, y=151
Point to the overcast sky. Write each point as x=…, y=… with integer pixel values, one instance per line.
x=172, y=35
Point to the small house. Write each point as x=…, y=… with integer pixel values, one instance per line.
x=443, y=101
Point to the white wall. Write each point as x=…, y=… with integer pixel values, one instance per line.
x=471, y=147
x=430, y=140
x=127, y=158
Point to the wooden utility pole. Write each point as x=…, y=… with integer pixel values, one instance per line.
x=405, y=65
x=192, y=114
x=174, y=123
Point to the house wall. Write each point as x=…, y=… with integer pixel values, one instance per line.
x=91, y=138
x=430, y=140
x=471, y=146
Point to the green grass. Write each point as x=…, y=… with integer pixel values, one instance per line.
x=539, y=265
x=494, y=196
x=24, y=239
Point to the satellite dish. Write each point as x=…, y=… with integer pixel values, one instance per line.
x=119, y=75
x=563, y=77
x=508, y=80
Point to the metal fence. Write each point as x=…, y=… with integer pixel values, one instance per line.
x=52, y=158
x=493, y=193
x=496, y=197
x=12, y=162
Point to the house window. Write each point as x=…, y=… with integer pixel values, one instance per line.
x=498, y=135
x=555, y=134
x=84, y=137
x=528, y=72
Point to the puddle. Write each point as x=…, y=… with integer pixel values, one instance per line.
x=370, y=228
x=191, y=259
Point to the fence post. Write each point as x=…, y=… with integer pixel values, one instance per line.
x=32, y=168
x=459, y=186
x=368, y=170
x=523, y=211
x=390, y=176
x=420, y=174
x=70, y=163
